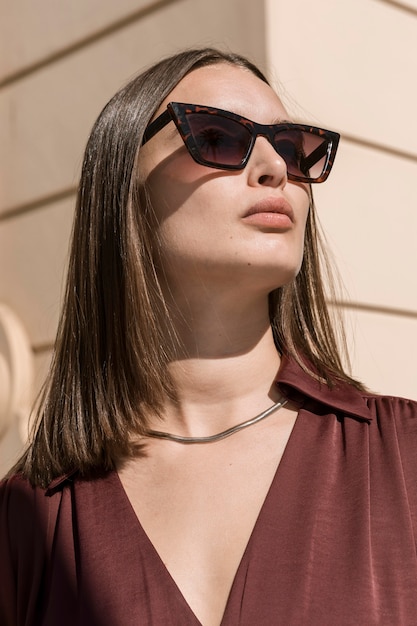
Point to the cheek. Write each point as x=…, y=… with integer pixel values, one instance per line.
x=300, y=198
x=304, y=236
x=179, y=218
x=302, y=208
x=172, y=188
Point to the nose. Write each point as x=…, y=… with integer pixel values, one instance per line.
x=266, y=166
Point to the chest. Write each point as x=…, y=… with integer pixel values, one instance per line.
x=198, y=509
x=333, y=541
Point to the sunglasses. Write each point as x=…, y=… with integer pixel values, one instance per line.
x=224, y=140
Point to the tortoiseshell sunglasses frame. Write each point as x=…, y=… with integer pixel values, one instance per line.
x=178, y=112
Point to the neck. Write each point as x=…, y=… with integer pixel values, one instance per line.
x=226, y=368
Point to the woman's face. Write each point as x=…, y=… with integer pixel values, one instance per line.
x=215, y=229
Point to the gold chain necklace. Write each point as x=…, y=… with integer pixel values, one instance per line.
x=225, y=433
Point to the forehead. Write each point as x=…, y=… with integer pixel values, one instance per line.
x=231, y=88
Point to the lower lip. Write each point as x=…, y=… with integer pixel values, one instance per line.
x=278, y=221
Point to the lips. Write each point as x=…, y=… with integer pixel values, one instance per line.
x=272, y=212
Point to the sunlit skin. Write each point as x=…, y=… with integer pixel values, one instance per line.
x=217, y=265
x=205, y=238
x=198, y=504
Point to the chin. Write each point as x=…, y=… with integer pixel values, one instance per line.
x=272, y=279
x=287, y=270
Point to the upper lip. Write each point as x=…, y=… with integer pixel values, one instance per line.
x=272, y=205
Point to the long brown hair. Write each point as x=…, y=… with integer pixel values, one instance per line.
x=109, y=365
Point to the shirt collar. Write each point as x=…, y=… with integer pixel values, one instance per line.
x=300, y=387
x=57, y=483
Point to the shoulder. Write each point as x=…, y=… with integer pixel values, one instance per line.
x=28, y=517
x=24, y=514
x=25, y=524
x=343, y=398
x=29, y=514
x=402, y=411
x=18, y=498
x=393, y=434
x=396, y=417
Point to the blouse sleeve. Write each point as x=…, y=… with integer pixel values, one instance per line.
x=405, y=412
x=400, y=414
x=27, y=520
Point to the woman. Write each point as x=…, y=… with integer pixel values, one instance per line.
x=149, y=493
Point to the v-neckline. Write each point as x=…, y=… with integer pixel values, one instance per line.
x=255, y=530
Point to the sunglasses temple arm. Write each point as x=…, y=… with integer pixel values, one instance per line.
x=315, y=156
x=157, y=125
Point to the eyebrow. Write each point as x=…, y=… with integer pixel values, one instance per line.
x=279, y=121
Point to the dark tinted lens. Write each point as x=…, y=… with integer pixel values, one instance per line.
x=304, y=153
x=219, y=140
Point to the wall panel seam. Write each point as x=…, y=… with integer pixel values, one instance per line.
x=373, y=145
x=374, y=308
x=396, y=4
x=41, y=348
x=38, y=203
x=90, y=39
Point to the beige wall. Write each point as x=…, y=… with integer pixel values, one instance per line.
x=59, y=64
x=352, y=66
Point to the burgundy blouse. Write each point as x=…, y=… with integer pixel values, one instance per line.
x=334, y=543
